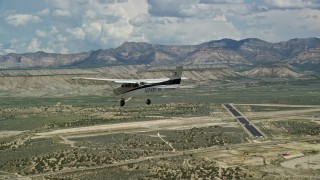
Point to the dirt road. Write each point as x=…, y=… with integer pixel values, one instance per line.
x=156, y=124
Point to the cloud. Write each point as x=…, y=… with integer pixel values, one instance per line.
x=60, y=4
x=292, y=24
x=83, y=25
x=173, y=30
x=50, y=40
x=93, y=30
x=290, y=4
x=192, y=8
x=109, y=23
x=77, y=33
x=22, y=19
x=48, y=33
x=44, y=12
x=167, y=8
x=145, y=19
x=105, y=24
x=61, y=13
x=6, y=51
x=56, y=45
x=41, y=33
x=202, y=11
x=90, y=14
x=33, y=45
x=222, y=1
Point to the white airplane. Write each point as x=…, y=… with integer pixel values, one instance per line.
x=139, y=88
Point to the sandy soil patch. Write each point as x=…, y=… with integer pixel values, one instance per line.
x=308, y=162
x=156, y=124
x=254, y=161
x=293, y=156
x=300, y=146
x=4, y=134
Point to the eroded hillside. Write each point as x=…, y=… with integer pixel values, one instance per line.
x=58, y=82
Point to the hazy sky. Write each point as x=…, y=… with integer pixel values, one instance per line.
x=70, y=26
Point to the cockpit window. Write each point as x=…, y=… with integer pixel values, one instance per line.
x=130, y=85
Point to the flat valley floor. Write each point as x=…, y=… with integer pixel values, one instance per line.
x=188, y=134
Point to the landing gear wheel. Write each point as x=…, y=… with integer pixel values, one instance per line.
x=122, y=102
x=148, y=101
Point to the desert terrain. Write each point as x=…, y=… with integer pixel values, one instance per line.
x=52, y=127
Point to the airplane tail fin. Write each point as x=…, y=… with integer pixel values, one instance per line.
x=177, y=73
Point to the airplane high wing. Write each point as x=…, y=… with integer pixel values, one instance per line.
x=132, y=88
x=121, y=81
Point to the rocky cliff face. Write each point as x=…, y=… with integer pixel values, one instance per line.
x=225, y=51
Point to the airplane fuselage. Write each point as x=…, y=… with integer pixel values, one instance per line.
x=139, y=88
x=129, y=90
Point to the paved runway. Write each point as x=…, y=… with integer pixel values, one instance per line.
x=245, y=122
x=232, y=110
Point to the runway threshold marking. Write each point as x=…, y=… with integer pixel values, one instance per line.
x=244, y=122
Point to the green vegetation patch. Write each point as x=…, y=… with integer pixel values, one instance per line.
x=299, y=127
x=21, y=157
x=105, y=174
x=274, y=108
x=291, y=127
x=203, y=137
x=189, y=168
x=149, y=142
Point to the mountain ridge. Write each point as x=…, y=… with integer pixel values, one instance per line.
x=250, y=51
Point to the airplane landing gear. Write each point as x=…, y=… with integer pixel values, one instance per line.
x=122, y=102
x=148, y=101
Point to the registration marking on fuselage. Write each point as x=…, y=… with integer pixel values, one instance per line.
x=152, y=90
